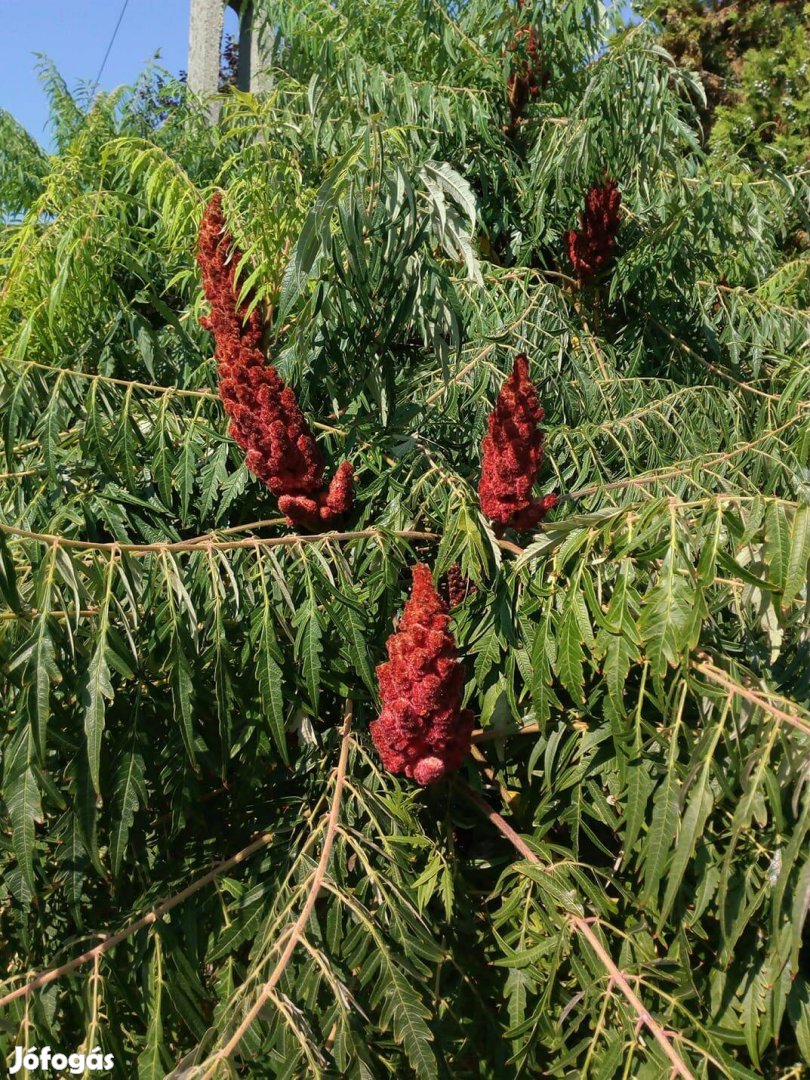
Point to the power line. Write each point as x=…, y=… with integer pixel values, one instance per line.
x=112, y=41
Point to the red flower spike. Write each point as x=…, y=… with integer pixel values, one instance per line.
x=590, y=248
x=513, y=454
x=265, y=420
x=528, y=75
x=457, y=586
x=422, y=730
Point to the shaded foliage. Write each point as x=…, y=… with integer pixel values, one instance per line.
x=752, y=57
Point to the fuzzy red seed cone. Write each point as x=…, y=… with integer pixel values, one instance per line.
x=591, y=246
x=315, y=512
x=512, y=453
x=265, y=420
x=422, y=730
x=339, y=497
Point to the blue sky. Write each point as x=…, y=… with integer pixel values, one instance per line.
x=75, y=35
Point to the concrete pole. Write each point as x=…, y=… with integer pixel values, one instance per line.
x=256, y=43
x=205, y=27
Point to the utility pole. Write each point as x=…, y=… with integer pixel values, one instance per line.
x=205, y=27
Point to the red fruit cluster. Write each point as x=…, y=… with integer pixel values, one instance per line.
x=529, y=75
x=513, y=454
x=590, y=247
x=266, y=421
x=313, y=511
x=457, y=586
x=422, y=730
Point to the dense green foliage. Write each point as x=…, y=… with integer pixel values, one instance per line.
x=175, y=664
x=753, y=58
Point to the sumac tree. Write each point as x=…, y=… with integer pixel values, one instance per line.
x=207, y=869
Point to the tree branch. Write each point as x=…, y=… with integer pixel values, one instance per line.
x=711, y=366
x=735, y=689
x=47, y=977
x=133, y=384
x=485, y=734
x=205, y=543
x=295, y=934
x=582, y=926
x=93, y=376
x=682, y=469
